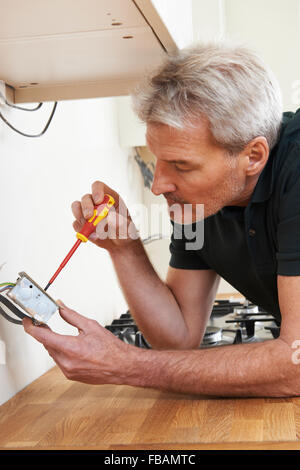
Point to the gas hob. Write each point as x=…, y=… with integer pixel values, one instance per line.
x=231, y=322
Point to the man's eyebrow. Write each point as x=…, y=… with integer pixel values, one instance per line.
x=180, y=160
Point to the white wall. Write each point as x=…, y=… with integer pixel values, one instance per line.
x=273, y=28
x=177, y=16
x=39, y=179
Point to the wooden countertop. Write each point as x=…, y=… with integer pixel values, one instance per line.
x=55, y=413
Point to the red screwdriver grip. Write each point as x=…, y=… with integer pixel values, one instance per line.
x=100, y=212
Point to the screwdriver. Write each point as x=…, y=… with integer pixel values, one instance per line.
x=100, y=212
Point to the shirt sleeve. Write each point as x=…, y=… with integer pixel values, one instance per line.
x=288, y=230
x=181, y=256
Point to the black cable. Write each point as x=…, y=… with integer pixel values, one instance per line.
x=7, y=317
x=29, y=135
x=16, y=312
x=23, y=109
x=13, y=309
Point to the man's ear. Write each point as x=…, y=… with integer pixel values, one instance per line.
x=257, y=153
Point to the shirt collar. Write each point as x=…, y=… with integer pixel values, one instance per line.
x=265, y=183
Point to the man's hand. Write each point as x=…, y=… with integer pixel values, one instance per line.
x=116, y=230
x=95, y=356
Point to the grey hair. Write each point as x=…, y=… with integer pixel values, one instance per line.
x=228, y=84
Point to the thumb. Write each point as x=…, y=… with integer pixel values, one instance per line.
x=72, y=317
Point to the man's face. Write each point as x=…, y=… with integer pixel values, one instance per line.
x=192, y=169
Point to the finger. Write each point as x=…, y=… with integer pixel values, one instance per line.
x=44, y=335
x=87, y=205
x=56, y=355
x=77, y=226
x=77, y=212
x=72, y=317
x=98, y=190
x=52, y=353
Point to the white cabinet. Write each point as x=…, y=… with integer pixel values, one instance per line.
x=65, y=49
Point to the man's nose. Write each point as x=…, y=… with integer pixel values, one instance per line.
x=161, y=182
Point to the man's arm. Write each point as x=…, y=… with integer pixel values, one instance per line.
x=171, y=314
x=256, y=369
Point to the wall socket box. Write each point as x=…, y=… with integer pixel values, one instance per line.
x=32, y=298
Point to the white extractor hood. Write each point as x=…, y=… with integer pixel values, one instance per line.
x=54, y=50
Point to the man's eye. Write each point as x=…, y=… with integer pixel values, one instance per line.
x=180, y=168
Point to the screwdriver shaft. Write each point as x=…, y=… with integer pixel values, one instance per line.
x=71, y=252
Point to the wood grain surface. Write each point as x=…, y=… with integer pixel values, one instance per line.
x=55, y=413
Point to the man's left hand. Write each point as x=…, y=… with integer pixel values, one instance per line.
x=94, y=356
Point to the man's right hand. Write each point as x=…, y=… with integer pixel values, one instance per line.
x=117, y=230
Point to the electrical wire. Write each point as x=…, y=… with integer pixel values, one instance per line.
x=2, y=289
x=9, y=318
x=24, y=109
x=5, y=288
x=13, y=309
x=4, y=314
x=10, y=284
x=30, y=135
x=152, y=238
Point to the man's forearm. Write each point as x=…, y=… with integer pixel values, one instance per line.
x=151, y=302
x=256, y=369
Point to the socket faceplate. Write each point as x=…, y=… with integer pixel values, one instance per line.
x=32, y=298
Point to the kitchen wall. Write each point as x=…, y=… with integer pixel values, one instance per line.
x=39, y=179
x=272, y=27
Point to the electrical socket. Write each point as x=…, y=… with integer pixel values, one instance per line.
x=32, y=298
x=2, y=92
x=2, y=353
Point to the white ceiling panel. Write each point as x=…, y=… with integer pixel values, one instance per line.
x=67, y=49
x=28, y=18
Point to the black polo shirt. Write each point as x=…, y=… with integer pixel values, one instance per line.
x=249, y=246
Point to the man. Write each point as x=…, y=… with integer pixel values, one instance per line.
x=215, y=124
